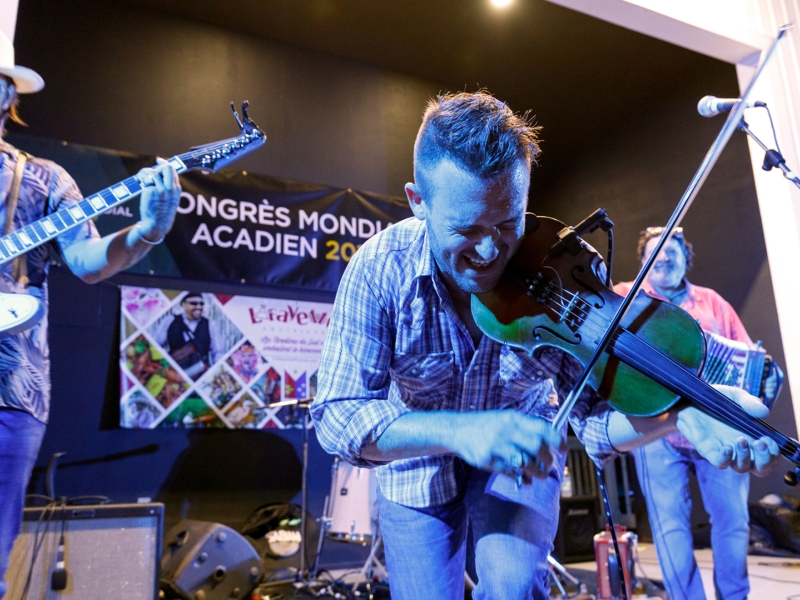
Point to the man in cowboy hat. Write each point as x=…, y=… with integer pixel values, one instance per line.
x=34, y=187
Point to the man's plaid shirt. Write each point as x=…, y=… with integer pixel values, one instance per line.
x=395, y=344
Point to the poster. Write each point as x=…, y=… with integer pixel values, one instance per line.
x=191, y=359
x=242, y=227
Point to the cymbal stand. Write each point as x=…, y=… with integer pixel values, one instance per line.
x=373, y=567
x=558, y=571
x=323, y=525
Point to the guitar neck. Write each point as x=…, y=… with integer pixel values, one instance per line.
x=650, y=361
x=22, y=240
x=210, y=157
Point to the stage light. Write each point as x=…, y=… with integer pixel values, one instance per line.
x=501, y=3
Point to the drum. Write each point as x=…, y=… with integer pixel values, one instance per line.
x=353, y=507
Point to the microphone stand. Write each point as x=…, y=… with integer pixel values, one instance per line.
x=772, y=158
x=685, y=202
x=304, y=404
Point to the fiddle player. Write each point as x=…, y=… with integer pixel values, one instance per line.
x=42, y=188
x=663, y=466
x=408, y=383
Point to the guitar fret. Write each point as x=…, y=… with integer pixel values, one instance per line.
x=40, y=232
x=210, y=157
x=97, y=202
x=25, y=238
x=120, y=191
x=48, y=226
x=32, y=233
x=65, y=217
x=179, y=165
x=133, y=184
x=76, y=213
x=108, y=197
x=10, y=247
x=16, y=241
x=86, y=207
x=58, y=222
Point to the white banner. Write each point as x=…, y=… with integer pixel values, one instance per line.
x=190, y=359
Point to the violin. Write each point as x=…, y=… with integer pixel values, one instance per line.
x=552, y=293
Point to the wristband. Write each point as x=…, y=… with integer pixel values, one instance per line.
x=144, y=239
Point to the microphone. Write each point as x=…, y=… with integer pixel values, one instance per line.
x=711, y=106
x=58, y=578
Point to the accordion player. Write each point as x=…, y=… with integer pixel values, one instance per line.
x=739, y=364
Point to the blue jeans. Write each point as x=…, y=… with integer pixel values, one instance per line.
x=20, y=438
x=664, y=476
x=426, y=547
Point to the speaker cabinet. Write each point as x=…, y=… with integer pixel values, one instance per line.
x=110, y=551
x=208, y=561
x=577, y=525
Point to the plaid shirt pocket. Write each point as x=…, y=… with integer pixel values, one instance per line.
x=425, y=381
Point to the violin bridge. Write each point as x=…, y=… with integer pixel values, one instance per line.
x=568, y=310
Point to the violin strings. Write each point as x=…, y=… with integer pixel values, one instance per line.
x=731, y=416
x=708, y=400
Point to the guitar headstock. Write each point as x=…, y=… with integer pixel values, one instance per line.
x=213, y=157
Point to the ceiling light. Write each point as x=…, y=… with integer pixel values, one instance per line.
x=501, y=3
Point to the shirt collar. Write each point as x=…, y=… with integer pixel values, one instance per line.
x=691, y=295
x=425, y=265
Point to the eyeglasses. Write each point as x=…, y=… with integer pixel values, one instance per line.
x=652, y=232
x=195, y=302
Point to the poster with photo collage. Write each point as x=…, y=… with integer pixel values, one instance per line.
x=192, y=359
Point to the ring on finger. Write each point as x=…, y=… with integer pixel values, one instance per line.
x=517, y=460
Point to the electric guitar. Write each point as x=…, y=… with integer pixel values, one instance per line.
x=19, y=312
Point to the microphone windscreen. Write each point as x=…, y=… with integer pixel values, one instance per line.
x=707, y=106
x=58, y=580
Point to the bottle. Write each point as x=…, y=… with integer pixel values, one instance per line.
x=566, y=484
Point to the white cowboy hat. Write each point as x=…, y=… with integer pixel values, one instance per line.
x=27, y=81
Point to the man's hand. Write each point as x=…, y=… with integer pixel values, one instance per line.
x=159, y=201
x=506, y=442
x=724, y=446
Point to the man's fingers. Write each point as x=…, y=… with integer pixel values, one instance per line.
x=742, y=462
x=752, y=405
x=763, y=451
x=539, y=430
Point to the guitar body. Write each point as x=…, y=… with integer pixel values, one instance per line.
x=19, y=312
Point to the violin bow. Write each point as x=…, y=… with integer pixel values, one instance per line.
x=685, y=202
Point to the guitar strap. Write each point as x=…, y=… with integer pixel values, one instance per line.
x=19, y=268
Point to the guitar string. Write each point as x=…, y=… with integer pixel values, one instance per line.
x=194, y=154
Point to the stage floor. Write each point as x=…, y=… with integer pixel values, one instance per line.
x=770, y=578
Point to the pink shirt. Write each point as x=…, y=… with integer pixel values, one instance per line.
x=711, y=312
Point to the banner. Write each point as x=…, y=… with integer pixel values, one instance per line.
x=236, y=227
x=190, y=359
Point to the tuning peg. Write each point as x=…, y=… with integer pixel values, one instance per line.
x=236, y=115
x=791, y=478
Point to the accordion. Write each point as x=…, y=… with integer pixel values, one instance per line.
x=738, y=364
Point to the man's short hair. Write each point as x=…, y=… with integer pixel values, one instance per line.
x=476, y=131
x=651, y=232
x=191, y=295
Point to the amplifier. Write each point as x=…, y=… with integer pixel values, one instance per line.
x=577, y=525
x=110, y=551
